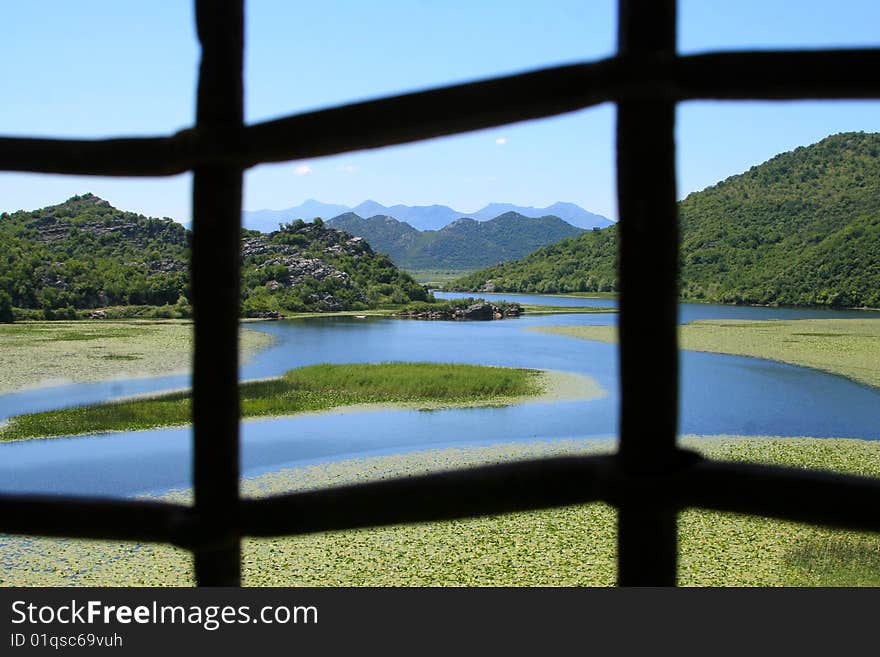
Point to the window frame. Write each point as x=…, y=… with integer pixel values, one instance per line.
x=649, y=480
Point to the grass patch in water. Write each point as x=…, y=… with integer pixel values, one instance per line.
x=848, y=347
x=313, y=388
x=572, y=546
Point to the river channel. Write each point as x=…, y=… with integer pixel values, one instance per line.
x=720, y=395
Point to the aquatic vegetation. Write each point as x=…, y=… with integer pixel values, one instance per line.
x=848, y=347
x=38, y=353
x=572, y=546
x=316, y=388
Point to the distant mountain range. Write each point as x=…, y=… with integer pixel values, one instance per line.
x=801, y=229
x=420, y=217
x=463, y=244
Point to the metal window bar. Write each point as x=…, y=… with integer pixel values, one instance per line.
x=649, y=480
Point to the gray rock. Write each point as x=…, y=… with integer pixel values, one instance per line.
x=478, y=311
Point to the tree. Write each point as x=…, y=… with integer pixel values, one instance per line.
x=6, y=316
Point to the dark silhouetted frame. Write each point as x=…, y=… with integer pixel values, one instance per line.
x=649, y=480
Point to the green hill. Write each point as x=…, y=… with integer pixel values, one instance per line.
x=85, y=254
x=800, y=229
x=311, y=267
x=396, y=239
x=462, y=244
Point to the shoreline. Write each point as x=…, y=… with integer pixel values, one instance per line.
x=699, y=302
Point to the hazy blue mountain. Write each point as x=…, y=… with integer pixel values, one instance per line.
x=568, y=212
x=463, y=244
x=420, y=217
x=266, y=221
x=369, y=208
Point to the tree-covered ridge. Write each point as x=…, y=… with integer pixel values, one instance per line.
x=578, y=264
x=85, y=254
x=463, y=244
x=800, y=229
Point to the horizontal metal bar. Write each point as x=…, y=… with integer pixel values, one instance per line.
x=98, y=518
x=436, y=112
x=778, y=75
x=774, y=75
x=783, y=493
x=485, y=490
x=127, y=156
x=810, y=496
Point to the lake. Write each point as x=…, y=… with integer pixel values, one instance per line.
x=720, y=395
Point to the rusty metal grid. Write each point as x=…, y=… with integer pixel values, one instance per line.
x=649, y=480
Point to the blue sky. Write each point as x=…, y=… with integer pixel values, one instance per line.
x=98, y=68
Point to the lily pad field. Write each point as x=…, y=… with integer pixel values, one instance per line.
x=572, y=546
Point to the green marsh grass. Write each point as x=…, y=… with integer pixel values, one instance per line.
x=313, y=388
x=438, y=277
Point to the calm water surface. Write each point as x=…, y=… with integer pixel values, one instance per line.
x=720, y=395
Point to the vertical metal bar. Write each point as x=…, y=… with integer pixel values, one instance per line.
x=648, y=299
x=215, y=295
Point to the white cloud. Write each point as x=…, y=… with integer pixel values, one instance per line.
x=347, y=168
x=303, y=170
x=501, y=141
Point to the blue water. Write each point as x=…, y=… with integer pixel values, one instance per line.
x=720, y=395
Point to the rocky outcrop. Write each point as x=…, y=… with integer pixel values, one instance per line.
x=168, y=266
x=254, y=246
x=480, y=311
x=353, y=246
x=268, y=314
x=306, y=251
x=302, y=268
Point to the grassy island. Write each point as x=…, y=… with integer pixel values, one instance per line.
x=320, y=388
x=847, y=347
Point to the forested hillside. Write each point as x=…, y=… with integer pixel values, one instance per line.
x=800, y=229
x=578, y=264
x=85, y=254
x=463, y=244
